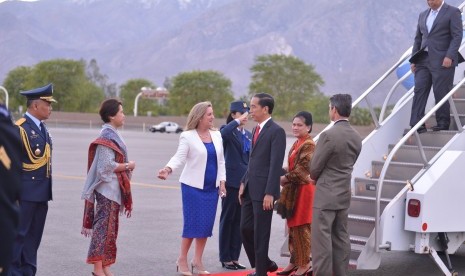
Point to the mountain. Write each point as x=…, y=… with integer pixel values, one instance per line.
x=350, y=43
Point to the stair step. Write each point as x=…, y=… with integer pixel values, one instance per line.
x=358, y=240
x=460, y=105
x=355, y=251
x=361, y=226
x=369, y=187
x=411, y=153
x=460, y=93
x=432, y=138
x=453, y=125
x=396, y=170
x=353, y=264
x=366, y=206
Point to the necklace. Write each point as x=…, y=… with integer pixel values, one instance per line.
x=206, y=136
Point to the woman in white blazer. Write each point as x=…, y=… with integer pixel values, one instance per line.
x=200, y=151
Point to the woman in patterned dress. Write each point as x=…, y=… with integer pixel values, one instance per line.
x=296, y=201
x=200, y=153
x=108, y=182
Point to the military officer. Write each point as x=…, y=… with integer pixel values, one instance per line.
x=10, y=184
x=36, y=179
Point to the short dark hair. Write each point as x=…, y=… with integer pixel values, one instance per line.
x=109, y=108
x=265, y=99
x=307, y=118
x=342, y=103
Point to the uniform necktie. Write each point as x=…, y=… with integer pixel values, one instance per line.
x=245, y=143
x=42, y=129
x=430, y=19
x=255, y=134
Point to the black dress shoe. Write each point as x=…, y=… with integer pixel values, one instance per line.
x=272, y=267
x=440, y=127
x=239, y=266
x=421, y=129
x=229, y=266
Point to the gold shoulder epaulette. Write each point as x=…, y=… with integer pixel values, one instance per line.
x=20, y=121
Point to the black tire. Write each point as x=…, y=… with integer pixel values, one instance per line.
x=162, y=130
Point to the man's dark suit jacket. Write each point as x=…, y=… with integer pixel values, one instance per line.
x=443, y=40
x=235, y=158
x=10, y=184
x=266, y=162
x=332, y=164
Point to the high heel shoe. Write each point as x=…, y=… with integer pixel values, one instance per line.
x=287, y=272
x=309, y=272
x=185, y=273
x=203, y=272
x=93, y=274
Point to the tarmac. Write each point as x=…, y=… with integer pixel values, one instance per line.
x=149, y=241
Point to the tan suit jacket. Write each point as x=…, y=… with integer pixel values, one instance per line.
x=332, y=164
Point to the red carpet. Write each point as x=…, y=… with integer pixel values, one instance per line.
x=239, y=273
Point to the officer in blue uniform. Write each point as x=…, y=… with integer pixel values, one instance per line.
x=36, y=179
x=10, y=185
x=236, y=144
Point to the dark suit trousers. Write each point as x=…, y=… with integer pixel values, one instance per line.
x=230, y=219
x=441, y=79
x=330, y=242
x=255, y=232
x=31, y=228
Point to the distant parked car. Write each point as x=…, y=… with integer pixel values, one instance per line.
x=166, y=127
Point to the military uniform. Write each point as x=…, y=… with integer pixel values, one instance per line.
x=36, y=185
x=10, y=184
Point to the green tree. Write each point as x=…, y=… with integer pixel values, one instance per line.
x=16, y=81
x=318, y=106
x=189, y=88
x=71, y=85
x=128, y=93
x=292, y=83
x=101, y=80
x=72, y=89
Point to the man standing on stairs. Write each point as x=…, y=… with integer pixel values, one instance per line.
x=434, y=58
x=331, y=168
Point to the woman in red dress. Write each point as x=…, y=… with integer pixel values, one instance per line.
x=296, y=201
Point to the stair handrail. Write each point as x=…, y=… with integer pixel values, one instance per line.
x=389, y=95
x=370, y=90
x=401, y=142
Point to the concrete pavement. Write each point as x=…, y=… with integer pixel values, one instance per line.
x=148, y=242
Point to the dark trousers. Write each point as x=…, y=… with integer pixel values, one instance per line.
x=255, y=232
x=230, y=233
x=31, y=228
x=441, y=79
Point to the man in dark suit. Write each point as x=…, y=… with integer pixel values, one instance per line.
x=331, y=168
x=36, y=179
x=434, y=58
x=260, y=184
x=236, y=143
x=10, y=184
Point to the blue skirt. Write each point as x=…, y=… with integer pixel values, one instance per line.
x=199, y=211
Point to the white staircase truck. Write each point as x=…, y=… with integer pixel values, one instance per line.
x=407, y=188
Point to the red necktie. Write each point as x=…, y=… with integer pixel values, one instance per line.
x=256, y=133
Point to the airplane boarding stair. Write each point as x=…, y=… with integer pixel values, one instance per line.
x=408, y=188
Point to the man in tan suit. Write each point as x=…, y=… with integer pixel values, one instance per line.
x=331, y=168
